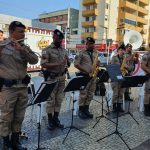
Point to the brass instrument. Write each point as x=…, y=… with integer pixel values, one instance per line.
x=123, y=66
x=95, y=68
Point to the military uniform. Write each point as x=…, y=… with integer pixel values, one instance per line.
x=86, y=60
x=13, y=95
x=146, y=62
x=116, y=87
x=55, y=54
x=51, y=54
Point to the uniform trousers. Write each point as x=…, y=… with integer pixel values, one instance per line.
x=13, y=102
x=86, y=95
x=54, y=101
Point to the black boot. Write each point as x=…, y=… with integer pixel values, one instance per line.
x=114, y=107
x=57, y=121
x=16, y=145
x=147, y=109
x=81, y=112
x=50, y=122
x=119, y=108
x=6, y=143
x=86, y=111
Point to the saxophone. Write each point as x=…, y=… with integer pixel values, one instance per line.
x=123, y=66
x=125, y=63
x=95, y=68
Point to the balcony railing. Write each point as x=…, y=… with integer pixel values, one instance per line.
x=87, y=13
x=89, y=2
x=88, y=24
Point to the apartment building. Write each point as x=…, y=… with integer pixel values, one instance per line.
x=109, y=20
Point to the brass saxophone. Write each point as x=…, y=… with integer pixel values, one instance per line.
x=125, y=63
x=95, y=68
x=123, y=66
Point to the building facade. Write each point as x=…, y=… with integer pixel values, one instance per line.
x=67, y=19
x=109, y=20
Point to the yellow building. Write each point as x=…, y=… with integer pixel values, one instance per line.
x=111, y=19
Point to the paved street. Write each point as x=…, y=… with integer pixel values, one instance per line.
x=136, y=136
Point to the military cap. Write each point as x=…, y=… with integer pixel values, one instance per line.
x=15, y=24
x=58, y=33
x=128, y=45
x=89, y=39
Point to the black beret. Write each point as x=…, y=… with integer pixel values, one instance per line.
x=128, y=45
x=59, y=33
x=89, y=39
x=15, y=24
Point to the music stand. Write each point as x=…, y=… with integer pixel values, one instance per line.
x=42, y=95
x=133, y=81
x=75, y=84
x=116, y=76
x=102, y=93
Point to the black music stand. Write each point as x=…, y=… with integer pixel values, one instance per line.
x=133, y=81
x=42, y=95
x=102, y=93
x=116, y=76
x=75, y=84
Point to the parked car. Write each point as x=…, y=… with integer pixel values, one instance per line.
x=71, y=57
x=104, y=57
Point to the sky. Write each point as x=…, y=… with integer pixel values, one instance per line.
x=32, y=8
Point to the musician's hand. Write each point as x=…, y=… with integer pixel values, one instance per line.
x=16, y=45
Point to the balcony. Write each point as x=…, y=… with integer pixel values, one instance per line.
x=84, y=35
x=145, y=2
x=134, y=18
x=89, y=24
x=136, y=28
x=142, y=20
x=87, y=13
x=126, y=4
x=89, y=2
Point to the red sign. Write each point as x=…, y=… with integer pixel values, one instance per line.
x=100, y=47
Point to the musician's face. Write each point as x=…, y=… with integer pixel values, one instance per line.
x=18, y=33
x=57, y=40
x=1, y=36
x=90, y=45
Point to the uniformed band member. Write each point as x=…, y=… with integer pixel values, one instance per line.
x=54, y=59
x=116, y=87
x=129, y=66
x=145, y=65
x=84, y=63
x=14, y=57
x=1, y=36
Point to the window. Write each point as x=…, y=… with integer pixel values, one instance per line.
x=87, y=19
x=107, y=6
x=132, y=22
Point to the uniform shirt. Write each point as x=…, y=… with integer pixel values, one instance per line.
x=13, y=63
x=130, y=62
x=83, y=58
x=146, y=59
x=52, y=54
x=116, y=60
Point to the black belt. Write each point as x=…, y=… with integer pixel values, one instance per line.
x=56, y=74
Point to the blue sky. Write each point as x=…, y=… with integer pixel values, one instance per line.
x=32, y=8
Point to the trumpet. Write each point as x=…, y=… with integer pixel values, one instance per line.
x=7, y=42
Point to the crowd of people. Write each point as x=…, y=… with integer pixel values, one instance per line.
x=14, y=57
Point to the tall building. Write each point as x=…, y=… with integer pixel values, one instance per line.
x=64, y=18
x=111, y=19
